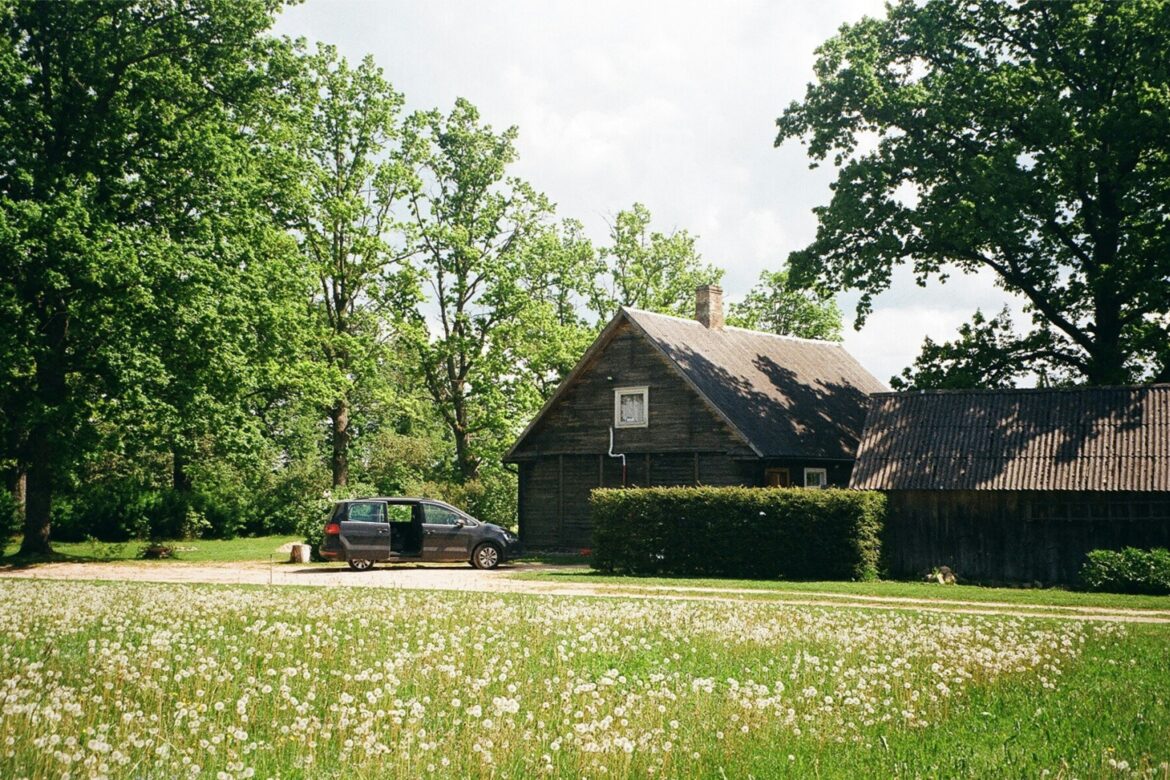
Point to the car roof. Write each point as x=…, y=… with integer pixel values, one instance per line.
x=418, y=499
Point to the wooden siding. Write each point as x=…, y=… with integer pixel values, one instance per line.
x=1017, y=536
x=554, y=490
x=679, y=420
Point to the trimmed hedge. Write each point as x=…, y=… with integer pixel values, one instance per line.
x=1128, y=571
x=764, y=533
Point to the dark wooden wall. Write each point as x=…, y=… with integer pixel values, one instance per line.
x=554, y=490
x=1009, y=536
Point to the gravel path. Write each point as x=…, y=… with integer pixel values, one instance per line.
x=460, y=577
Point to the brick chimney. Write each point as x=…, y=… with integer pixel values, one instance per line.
x=709, y=305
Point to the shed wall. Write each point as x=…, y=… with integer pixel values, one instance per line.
x=1017, y=536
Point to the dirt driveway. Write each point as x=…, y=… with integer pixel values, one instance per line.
x=460, y=577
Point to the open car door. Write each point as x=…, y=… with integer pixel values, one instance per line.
x=365, y=532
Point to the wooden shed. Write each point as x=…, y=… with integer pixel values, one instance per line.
x=1017, y=485
x=687, y=402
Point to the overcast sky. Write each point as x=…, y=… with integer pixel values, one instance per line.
x=672, y=104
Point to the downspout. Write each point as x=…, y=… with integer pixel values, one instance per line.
x=621, y=455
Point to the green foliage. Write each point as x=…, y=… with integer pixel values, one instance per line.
x=987, y=354
x=353, y=181
x=474, y=228
x=775, y=306
x=1029, y=140
x=744, y=532
x=647, y=269
x=491, y=497
x=1130, y=570
x=9, y=518
x=129, y=206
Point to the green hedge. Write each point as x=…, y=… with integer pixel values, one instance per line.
x=764, y=533
x=1128, y=571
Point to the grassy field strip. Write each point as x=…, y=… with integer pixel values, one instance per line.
x=893, y=601
x=976, y=608
x=130, y=680
x=915, y=592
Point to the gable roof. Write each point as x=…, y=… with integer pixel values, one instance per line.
x=1104, y=438
x=784, y=396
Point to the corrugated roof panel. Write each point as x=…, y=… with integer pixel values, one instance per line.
x=1063, y=439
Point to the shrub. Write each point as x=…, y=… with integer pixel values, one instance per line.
x=1128, y=571
x=741, y=532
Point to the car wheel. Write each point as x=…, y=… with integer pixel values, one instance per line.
x=486, y=556
x=360, y=564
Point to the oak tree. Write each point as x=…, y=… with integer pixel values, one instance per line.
x=1031, y=139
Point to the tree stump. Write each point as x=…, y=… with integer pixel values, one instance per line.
x=300, y=553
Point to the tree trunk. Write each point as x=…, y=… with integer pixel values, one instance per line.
x=38, y=510
x=180, y=479
x=46, y=439
x=466, y=461
x=1106, y=360
x=340, y=418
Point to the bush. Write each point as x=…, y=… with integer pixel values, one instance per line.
x=738, y=532
x=1128, y=571
x=491, y=498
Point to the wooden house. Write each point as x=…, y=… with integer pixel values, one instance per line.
x=659, y=400
x=1017, y=485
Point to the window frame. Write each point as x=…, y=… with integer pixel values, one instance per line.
x=459, y=519
x=824, y=472
x=618, y=392
x=381, y=505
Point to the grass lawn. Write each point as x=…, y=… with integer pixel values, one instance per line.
x=152, y=680
x=252, y=548
x=1051, y=597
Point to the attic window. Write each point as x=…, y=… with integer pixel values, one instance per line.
x=630, y=407
x=816, y=478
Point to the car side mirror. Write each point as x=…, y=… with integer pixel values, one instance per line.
x=461, y=522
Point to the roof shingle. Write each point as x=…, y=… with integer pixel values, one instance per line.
x=787, y=397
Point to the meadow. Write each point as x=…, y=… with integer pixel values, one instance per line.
x=160, y=681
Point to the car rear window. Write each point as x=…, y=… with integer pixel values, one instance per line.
x=367, y=512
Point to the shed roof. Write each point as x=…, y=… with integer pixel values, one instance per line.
x=785, y=396
x=1103, y=438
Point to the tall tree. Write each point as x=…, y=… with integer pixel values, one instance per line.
x=775, y=306
x=649, y=269
x=556, y=328
x=117, y=123
x=355, y=184
x=472, y=227
x=1030, y=139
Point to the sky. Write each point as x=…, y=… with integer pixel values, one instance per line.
x=671, y=104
